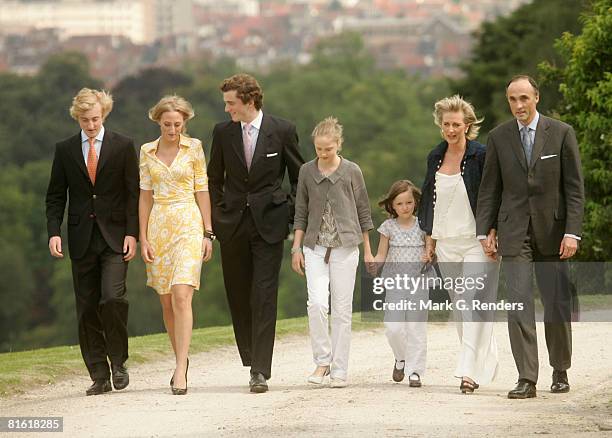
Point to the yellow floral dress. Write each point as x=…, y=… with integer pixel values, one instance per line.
x=175, y=230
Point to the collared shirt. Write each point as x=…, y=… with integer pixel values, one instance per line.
x=255, y=127
x=532, y=127
x=97, y=144
x=178, y=182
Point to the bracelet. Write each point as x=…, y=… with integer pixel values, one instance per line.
x=296, y=249
x=209, y=235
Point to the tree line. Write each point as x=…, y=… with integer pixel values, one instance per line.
x=388, y=130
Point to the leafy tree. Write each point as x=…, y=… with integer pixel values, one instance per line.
x=586, y=85
x=512, y=45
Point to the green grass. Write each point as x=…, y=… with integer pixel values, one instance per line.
x=26, y=369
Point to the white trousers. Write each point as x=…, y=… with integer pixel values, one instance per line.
x=464, y=257
x=338, y=279
x=408, y=340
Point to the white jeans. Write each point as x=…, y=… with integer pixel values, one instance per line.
x=464, y=257
x=338, y=278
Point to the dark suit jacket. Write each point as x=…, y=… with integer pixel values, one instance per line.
x=233, y=187
x=549, y=191
x=112, y=203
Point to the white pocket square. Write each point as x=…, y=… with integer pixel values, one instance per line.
x=544, y=157
x=272, y=155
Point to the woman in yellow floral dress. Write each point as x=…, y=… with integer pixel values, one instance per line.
x=175, y=223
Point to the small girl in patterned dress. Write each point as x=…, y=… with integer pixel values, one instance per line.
x=402, y=249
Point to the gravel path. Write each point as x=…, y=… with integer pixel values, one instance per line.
x=218, y=402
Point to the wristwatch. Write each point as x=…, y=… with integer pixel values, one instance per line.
x=209, y=235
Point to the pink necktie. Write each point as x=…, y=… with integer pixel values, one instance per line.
x=247, y=139
x=92, y=160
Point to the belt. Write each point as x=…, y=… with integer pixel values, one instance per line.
x=327, y=254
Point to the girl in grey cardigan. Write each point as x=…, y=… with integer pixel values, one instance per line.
x=332, y=217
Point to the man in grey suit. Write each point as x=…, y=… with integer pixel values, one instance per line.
x=530, y=209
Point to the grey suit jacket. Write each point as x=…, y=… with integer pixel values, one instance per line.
x=548, y=191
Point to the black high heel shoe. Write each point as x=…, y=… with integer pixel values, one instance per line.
x=180, y=391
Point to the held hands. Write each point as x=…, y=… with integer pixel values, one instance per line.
x=489, y=245
x=55, y=247
x=207, y=249
x=429, y=254
x=146, y=251
x=568, y=247
x=373, y=267
x=297, y=262
x=129, y=248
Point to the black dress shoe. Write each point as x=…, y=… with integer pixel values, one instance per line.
x=258, y=383
x=524, y=389
x=560, y=383
x=99, y=386
x=121, y=378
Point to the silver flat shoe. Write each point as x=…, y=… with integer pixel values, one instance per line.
x=318, y=380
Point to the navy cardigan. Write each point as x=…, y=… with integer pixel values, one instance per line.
x=471, y=170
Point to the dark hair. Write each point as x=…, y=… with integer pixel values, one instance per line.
x=397, y=188
x=528, y=78
x=247, y=89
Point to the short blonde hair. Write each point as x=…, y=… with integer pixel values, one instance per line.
x=85, y=100
x=172, y=103
x=453, y=104
x=329, y=127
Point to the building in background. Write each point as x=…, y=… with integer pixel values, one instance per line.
x=141, y=21
x=120, y=37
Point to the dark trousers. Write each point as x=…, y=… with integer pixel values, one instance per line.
x=101, y=305
x=250, y=273
x=552, y=277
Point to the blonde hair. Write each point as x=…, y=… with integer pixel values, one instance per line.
x=457, y=104
x=172, y=103
x=329, y=127
x=85, y=100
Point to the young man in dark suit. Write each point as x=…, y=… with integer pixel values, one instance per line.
x=531, y=203
x=251, y=214
x=96, y=172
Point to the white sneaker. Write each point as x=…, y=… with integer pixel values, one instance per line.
x=337, y=383
x=316, y=379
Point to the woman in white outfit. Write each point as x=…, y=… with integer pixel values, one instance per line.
x=446, y=214
x=332, y=217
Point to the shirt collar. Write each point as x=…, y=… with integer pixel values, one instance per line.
x=333, y=177
x=256, y=123
x=151, y=148
x=534, y=123
x=99, y=137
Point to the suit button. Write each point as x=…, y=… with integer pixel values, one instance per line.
x=246, y=180
x=94, y=196
x=92, y=216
